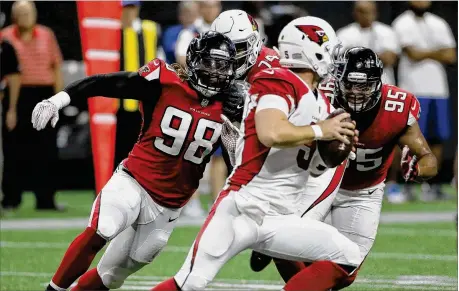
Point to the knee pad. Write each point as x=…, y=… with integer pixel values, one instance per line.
x=145, y=249
x=351, y=254
x=114, y=277
x=221, y=229
x=193, y=282
x=111, y=222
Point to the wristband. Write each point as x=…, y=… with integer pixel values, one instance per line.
x=61, y=99
x=318, y=134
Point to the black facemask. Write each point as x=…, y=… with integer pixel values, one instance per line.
x=419, y=12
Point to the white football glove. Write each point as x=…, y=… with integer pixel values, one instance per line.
x=43, y=113
x=352, y=156
x=409, y=165
x=48, y=110
x=230, y=134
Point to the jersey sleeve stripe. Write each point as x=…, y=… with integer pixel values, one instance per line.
x=153, y=75
x=411, y=119
x=272, y=101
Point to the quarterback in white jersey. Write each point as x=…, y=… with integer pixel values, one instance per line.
x=276, y=173
x=256, y=209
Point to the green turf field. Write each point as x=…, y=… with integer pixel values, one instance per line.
x=406, y=256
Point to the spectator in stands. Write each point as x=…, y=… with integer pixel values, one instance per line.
x=368, y=32
x=428, y=44
x=30, y=155
x=10, y=84
x=208, y=11
x=381, y=38
x=140, y=43
x=187, y=14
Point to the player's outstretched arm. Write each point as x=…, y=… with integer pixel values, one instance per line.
x=418, y=162
x=274, y=129
x=125, y=85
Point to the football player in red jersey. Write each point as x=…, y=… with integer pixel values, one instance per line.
x=386, y=116
x=137, y=209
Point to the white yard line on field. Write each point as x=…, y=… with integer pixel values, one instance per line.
x=417, y=232
x=137, y=282
x=72, y=223
x=179, y=249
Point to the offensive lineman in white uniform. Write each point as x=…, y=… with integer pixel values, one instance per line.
x=257, y=207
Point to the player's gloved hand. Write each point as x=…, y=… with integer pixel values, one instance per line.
x=337, y=128
x=48, y=110
x=409, y=165
x=43, y=113
x=230, y=134
x=233, y=101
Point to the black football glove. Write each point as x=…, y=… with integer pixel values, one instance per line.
x=233, y=100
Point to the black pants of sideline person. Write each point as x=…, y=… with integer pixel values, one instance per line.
x=30, y=155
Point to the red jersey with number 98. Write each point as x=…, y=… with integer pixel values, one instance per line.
x=179, y=133
x=267, y=59
x=397, y=110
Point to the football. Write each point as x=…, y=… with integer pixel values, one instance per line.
x=334, y=152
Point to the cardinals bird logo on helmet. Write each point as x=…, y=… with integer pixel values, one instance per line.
x=253, y=22
x=314, y=33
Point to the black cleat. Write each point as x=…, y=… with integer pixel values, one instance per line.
x=258, y=262
x=49, y=288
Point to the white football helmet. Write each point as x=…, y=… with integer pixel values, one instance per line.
x=242, y=29
x=308, y=42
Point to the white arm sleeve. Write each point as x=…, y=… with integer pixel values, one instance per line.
x=272, y=101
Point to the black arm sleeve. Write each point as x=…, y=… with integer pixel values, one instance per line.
x=8, y=60
x=123, y=85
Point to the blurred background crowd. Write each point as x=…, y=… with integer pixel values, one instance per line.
x=41, y=52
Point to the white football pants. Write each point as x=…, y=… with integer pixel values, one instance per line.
x=137, y=227
x=237, y=223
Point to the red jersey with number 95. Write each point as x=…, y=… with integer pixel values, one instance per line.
x=179, y=133
x=267, y=59
x=397, y=110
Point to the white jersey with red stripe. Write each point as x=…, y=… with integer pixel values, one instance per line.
x=276, y=175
